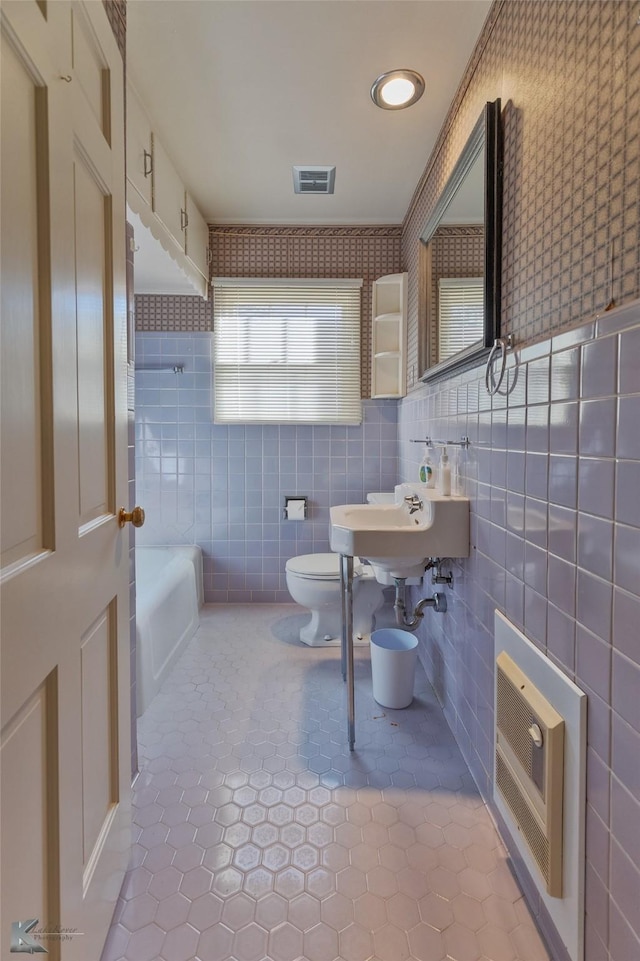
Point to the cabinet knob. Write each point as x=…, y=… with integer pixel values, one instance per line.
x=135, y=517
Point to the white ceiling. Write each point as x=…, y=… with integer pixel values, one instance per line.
x=240, y=90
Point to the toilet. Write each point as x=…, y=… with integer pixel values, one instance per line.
x=313, y=580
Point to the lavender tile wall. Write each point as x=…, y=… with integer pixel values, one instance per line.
x=223, y=487
x=569, y=440
x=570, y=579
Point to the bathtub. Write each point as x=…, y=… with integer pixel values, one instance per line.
x=169, y=592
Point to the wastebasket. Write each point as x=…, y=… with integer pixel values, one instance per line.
x=393, y=666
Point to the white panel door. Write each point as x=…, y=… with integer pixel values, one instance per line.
x=64, y=721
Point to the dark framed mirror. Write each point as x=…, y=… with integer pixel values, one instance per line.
x=460, y=257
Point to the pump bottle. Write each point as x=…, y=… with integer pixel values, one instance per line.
x=444, y=474
x=426, y=472
x=456, y=475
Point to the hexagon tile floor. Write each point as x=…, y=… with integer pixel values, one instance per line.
x=259, y=837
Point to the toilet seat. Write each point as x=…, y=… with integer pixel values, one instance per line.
x=319, y=566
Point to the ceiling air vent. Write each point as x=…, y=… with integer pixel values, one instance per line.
x=313, y=180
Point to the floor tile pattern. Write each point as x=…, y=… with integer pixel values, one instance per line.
x=259, y=837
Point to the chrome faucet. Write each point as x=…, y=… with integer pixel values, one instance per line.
x=414, y=503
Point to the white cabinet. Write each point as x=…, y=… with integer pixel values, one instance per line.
x=157, y=194
x=389, y=336
x=197, y=238
x=139, y=156
x=168, y=194
x=177, y=210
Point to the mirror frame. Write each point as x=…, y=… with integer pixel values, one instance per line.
x=486, y=134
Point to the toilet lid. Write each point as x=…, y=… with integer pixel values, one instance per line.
x=319, y=565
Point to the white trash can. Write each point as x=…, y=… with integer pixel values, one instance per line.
x=393, y=666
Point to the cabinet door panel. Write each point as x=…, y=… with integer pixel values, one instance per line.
x=168, y=194
x=139, y=158
x=197, y=238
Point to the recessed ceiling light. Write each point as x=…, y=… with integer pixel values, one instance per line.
x=397, y=89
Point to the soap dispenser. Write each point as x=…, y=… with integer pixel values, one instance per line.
x=426, y=472
x=444, y=474
x=456, y=475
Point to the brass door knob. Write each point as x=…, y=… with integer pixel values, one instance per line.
x=136, y=517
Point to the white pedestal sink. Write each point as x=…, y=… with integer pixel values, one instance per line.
x=398, y=538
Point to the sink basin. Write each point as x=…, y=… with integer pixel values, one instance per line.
x=381, y=497
x=399, y=542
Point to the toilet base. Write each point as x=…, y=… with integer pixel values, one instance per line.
x=312, y=640
x=321, y=595
x=324, y=627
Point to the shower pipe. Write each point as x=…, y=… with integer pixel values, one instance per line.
x=431, y=442
x=174, y=368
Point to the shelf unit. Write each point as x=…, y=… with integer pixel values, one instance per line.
x=389, y=336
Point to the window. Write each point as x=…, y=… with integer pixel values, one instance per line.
x=460, y=314
x=286, y=351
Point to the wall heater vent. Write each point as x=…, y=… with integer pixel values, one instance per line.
x=539, y=792
x=529, y=769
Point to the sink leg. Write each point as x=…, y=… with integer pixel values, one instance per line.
x=343, y=622
x=346, y=579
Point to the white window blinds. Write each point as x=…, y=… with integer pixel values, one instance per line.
x=286, y=351
x=460, y=314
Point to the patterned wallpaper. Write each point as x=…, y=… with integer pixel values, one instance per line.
x=287, y=251
x=456, y=251
x=281, y=251
x=117, y=14
x=566, y=71
x=169, y=312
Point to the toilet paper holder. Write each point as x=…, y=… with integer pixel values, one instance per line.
x=296, y=507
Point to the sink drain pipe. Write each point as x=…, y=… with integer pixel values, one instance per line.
x=438, y=602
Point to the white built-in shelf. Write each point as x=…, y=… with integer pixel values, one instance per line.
x=389, y=336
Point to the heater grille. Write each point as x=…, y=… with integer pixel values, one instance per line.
x=515, y=721
x=530, y=766
x=514, y=796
